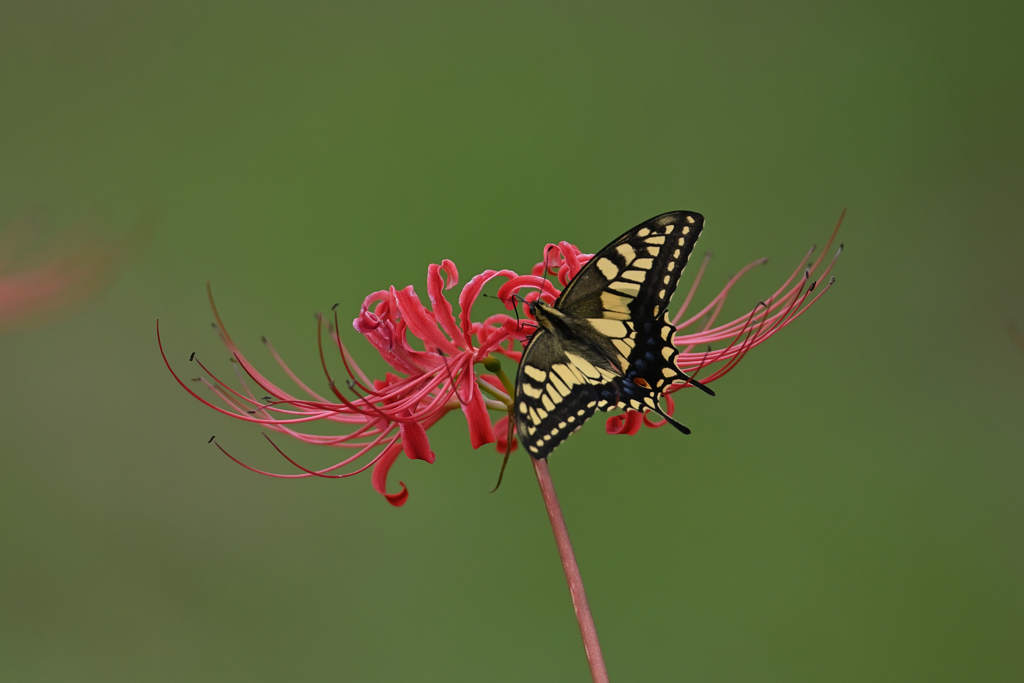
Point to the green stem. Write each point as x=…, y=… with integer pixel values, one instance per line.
x=493, y=365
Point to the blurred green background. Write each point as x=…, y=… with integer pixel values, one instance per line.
x=848, y=508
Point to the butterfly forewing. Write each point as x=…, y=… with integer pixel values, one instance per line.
x=638, y=271
x=612, y=334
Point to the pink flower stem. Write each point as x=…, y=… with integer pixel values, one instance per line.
x=572, y=570
x=572, y=573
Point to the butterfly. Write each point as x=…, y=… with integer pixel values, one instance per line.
x=606, y=342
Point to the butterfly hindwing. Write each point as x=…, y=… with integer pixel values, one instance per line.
x=609, y=328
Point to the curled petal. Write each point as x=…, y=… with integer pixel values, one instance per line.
x=471, y=291
x=571, y=258
x=669, y=410
x=451, y=271
x=366, y=322
x=379, y=479
x=381, y=333
x=627, y=423
x=508, y=331
x=518, y=282
x=415, y=442
x=420, y=321
x=381, y=295
x=442, y=308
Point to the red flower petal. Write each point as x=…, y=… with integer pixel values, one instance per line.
x=501, y=432
x=480, y=431
x=629, y=423
x=379, y=478
x=570, y=255
x=670, y=408
x=415, y=442
x=518, y=282
x=470, y=293
x=493, y=337
x=421, y=322
x=398, y=499
x=442, y=308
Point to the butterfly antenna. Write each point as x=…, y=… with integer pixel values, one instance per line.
x=515, y=307
x=508, y=450
x=515, y=298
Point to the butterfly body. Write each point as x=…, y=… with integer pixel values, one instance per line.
x=606, y=342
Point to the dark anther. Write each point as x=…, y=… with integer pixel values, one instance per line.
x=832, y=280
x=212, y=438
x=697, y=384
x=263, y=339
x=509, y=438
x=192, y=357
x=335, y=306
x=251, y=412
x=813, y=285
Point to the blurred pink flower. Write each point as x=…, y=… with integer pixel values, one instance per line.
x=382, y=418
x=37, y=281
x=1015, y=335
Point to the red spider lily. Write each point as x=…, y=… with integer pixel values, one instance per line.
x=37, y=281
x=1015, y=334
x=389, y=416
x=380, y=419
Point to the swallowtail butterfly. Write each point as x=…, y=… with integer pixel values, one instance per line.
x=606, y=342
